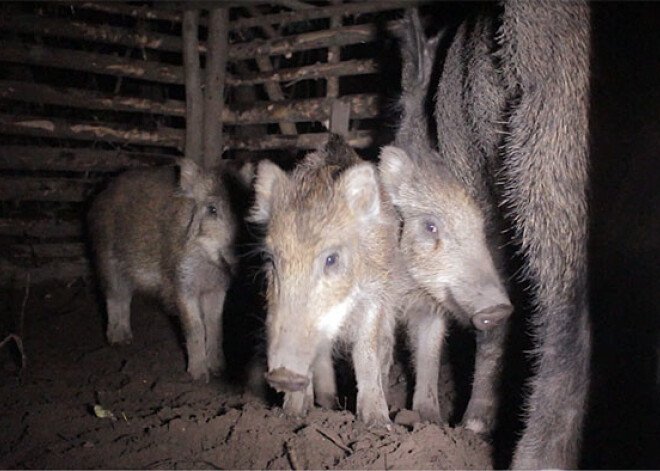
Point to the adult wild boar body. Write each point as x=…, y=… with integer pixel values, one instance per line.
x=331, y=244
x=512, y=122
x=169, y=233
x=444, y=248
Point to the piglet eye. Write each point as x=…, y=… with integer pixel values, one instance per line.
x=212, y=209
x=331, y=259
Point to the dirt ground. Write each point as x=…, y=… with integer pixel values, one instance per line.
x=56, y=410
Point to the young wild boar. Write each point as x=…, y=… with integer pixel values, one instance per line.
x=512, y=115
x=331, y=247
x=444, y=248
x=170, y=232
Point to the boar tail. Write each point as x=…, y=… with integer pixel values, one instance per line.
x=417, y=56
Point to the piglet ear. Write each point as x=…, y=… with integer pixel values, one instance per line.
x=246, y=173
x=192, y=181
x=360, y=187
x=241, y=172
x=395, y=169
x=270, y=177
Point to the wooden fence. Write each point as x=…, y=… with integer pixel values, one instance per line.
x=90, y=88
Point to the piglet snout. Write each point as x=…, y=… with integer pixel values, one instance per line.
x=283, y=379
x=492, y=316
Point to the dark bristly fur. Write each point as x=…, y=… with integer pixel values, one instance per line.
x=530, y=80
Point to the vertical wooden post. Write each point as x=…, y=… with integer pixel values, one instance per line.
x=273, y=89
x=341, y=111
x=334, y=56
x=214, y=89
x=340, y=118
x=194, y=97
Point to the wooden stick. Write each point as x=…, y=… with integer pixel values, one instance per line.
x=107, y=132
x=291, y=453
x=56, y=269
x=345, y=9
x=104, y=64
x=334, y=56
x=76, y=159
x=333, y=438
x=314, y=71
x=294, y=4
x=42, y=228
x=356, y=34
x=47, y=250
x=358, y=139
x=273, y=88
x=18, y=338
x=87, y=99
x=194, y=97
x=72, y=29
x=311, y=109
x=214, y=92
x=159, y=12
x=45, y=189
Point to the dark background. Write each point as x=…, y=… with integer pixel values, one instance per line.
x=623, y=426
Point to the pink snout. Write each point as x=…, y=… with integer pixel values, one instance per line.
x=492, y=316
x=284, y=380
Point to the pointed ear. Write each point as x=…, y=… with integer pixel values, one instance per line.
x=239, y=171
x=269, y=178
x=360, y=188
x=395, y=168
x=192, y=180
x=246, y=173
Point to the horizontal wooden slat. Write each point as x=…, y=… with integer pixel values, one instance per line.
x=87, y=99
x=57, y=269
x=40, y=228
x=345, y=9
x=60, y=128
x=72, y=29
x=358, y=139
x=45, y=189
x=345, y=36
x=314, y=109
x=165, y=137
x=153, y=71
x=76, y=160
x=132, y=11
x=314, y=71
x=311, y=109
x=159, y=13
x=105, y=64
x=44, y=250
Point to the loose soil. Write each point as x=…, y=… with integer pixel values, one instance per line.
x=81, y=403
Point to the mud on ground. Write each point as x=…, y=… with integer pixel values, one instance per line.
x=80, y=403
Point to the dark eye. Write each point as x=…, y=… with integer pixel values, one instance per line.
x=212, y=209
x=430, y=227
x=331, y=259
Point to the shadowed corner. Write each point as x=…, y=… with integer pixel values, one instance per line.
x=624, y=408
